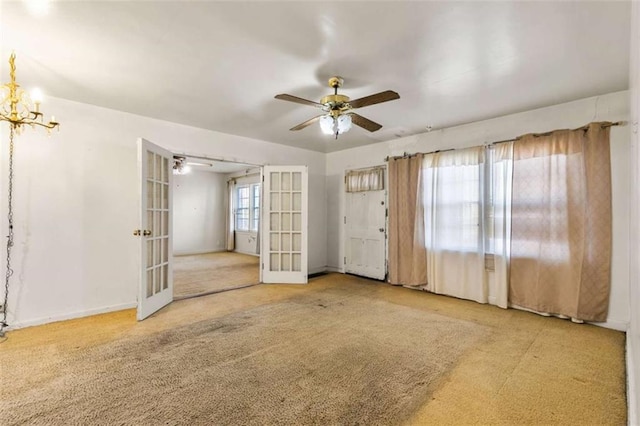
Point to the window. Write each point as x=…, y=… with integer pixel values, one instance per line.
x=255, y=207
x=242, y=209
x=248, y=207
x=453, y=190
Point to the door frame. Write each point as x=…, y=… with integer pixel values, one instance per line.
x=235, y=161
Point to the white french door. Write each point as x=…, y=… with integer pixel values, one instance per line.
x=284, y=224
x=366, y=234
x=155, y=166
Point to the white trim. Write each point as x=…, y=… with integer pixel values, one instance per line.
x=73, y=315
x=247, y=253
x=612, y=324
x=632, y=414
x=191, y=252
x=319, y=270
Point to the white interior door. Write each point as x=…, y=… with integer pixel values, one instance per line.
x=284, y=224
x=156, y=276
x=365, y=222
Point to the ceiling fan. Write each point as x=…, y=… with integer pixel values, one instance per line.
x=338, y=109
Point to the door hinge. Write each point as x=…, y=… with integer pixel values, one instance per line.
x=262, y=265
x=345, y=220
x=345, y=260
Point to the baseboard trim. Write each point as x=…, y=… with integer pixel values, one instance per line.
x=192, y=253
x=612, y=324
x=334, y=269
x=248, y=253
x=72, y=315
x=632, y=408
x=320, y=270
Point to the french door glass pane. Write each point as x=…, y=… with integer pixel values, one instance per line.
x=285, y=215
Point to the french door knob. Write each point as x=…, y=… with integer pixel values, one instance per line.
x=381, y=229
x=146, y=232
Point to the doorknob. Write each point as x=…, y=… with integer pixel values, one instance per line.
x=146, y=233
x=381, y=229
x=136, y=232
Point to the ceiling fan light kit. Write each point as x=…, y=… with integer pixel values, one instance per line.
x=338, y=109
x=180, y=165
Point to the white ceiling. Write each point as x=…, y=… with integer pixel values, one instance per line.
x=217, y=65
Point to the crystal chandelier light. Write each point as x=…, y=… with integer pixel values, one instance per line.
x=16, y=104
x=19, y=110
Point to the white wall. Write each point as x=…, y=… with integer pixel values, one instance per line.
x=633, y=334
x=76, y=206
x=614, y=106
x=199, y=212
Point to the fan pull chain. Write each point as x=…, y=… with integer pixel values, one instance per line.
x=9, y=271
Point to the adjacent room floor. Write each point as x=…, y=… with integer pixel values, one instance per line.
x=340, y=350
x=210, y=272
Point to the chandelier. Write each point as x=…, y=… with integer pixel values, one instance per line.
x=17, y=108
x=15, y=104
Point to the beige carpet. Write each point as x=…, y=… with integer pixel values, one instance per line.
x=205, y=273
x=327, y=358
x=341, y=350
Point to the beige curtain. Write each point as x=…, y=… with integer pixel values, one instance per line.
x=561, y=223
x=407, y=252
x=365, y=180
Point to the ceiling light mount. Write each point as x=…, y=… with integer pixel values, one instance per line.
x=336, y=82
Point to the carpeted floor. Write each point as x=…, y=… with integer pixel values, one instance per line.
x=341, y=350
x=205, y=273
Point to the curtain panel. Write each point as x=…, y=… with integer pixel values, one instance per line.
x=561, y=223
x=498, y=220
x=365, y=180
x=453, y=183
x=407, y=252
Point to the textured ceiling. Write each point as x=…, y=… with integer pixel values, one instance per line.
x=217, y=65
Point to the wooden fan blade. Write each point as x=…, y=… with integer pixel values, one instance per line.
x=306, y=123
x=298, y=100
x=386, y=96
x=365, y=123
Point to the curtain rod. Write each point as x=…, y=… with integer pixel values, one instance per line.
x=585, y=127
x=379, y=166
x=407, y=155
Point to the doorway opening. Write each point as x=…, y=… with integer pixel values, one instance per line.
x=216, y=222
